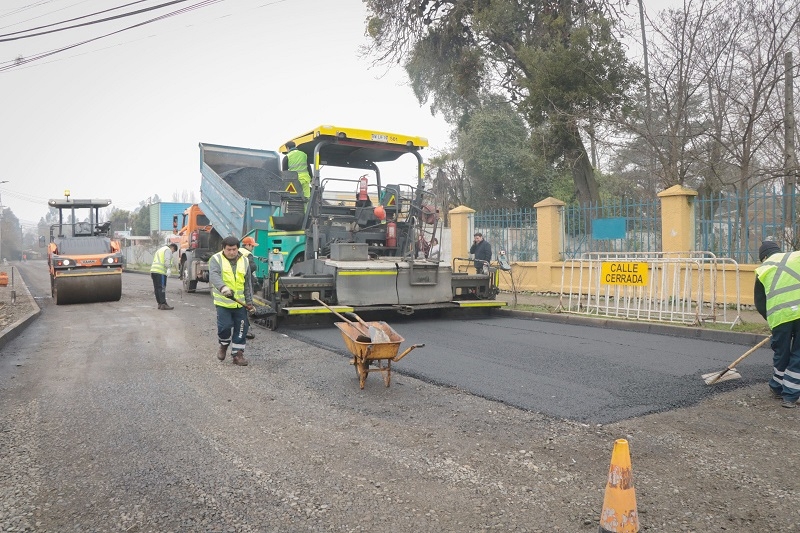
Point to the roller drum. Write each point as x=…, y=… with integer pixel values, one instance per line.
x=87, y=288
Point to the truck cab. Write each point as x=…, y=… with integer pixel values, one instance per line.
x=197, y=243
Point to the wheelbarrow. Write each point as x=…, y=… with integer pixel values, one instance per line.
x=369, y=356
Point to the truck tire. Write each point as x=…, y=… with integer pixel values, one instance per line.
x=188, y=285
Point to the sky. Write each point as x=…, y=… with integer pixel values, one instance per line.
x=121, y=117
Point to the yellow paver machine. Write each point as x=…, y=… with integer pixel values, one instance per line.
x=85, y=263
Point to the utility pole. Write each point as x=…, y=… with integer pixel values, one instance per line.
x=1, y=223
x=790, y=159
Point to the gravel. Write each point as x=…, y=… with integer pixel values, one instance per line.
x=254, y=183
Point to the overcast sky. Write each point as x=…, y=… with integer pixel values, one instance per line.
x=121, y=117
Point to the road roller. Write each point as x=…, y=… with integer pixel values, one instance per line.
x=85, y=262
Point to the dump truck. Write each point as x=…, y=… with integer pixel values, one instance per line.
x=243, y=193
x=85, y=263
x=361, y=249
x=197, y=242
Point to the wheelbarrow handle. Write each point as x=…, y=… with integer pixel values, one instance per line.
x=405, y=353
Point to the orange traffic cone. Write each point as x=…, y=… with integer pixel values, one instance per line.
x=619, y=505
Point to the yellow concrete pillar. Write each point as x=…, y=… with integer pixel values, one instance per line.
x=677, y=219
x=550, y=229
x=461, y=223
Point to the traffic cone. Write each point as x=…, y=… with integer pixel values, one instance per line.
x=619, y=504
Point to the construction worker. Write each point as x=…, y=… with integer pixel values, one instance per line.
x=777, y=298
x=248, y=245
x=160, y=270
x=297, y=161
x=231, y=286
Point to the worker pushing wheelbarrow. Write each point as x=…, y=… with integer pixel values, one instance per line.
x=374, y=346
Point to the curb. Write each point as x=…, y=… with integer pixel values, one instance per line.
x=11, y=332
x=730, y=337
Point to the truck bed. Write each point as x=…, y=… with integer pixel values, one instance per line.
x=235, y=187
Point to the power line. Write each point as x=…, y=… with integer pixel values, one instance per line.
x=115, y=17
x=38, y=16
x=24, y=60
x=17, y=64
x=70, y=20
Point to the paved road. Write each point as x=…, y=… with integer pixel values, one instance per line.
x=590, y=374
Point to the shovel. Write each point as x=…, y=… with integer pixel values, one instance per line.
x=730, y=372
x=363, y=333
x=260, y=311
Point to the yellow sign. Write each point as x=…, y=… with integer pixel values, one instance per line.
x=291, y=189
x=623, y=273
x=391, y=201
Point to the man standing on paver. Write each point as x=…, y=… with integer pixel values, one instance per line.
x=777, y=298
x=297, y=161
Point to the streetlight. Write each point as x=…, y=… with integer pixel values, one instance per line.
x=1, y=222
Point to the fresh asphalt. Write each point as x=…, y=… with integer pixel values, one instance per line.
x=571, y=370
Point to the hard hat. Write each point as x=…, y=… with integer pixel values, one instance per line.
x=249, y=240
x=379, y=212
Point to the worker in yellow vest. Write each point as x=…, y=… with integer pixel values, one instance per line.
x=232, y=290
x=160, y=270
x=777, y=298
x=297, y=161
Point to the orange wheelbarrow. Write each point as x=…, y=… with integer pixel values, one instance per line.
x=365, y=352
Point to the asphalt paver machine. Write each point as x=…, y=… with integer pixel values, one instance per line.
x=85, y=262
x=362, y=232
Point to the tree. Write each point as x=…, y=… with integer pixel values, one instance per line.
x=496, y=148
x=10, y=234
x=558, y=64
x=141, y=220
x=121, y=219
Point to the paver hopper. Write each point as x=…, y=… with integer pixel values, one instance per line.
x=85, y=263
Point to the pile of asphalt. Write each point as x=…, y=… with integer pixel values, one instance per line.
x=254, y=183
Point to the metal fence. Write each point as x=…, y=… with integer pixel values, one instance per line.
x=687, y=287
x=734, y=226
x=639, y=224
x=512, y=230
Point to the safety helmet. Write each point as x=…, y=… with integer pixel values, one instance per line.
x=249, y=240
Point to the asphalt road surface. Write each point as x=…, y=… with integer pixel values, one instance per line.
x=589, y=374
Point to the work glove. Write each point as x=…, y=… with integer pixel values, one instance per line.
x=226, y=291
x=169, y=272
x=250, y=307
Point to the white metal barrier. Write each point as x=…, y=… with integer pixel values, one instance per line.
x=688, y=287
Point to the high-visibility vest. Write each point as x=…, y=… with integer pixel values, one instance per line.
x=298, y=162
x=244, y=251
x=780, y=276
x=159, y=265
x=234, y=281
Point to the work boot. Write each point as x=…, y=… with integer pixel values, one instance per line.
x=161, y=306
x=166, y=307
x=789, y=404
x=238, y=358
x=775, y=394
x=222, y=352
x=250, y=335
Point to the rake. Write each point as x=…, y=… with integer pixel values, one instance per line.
x=730, y=372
